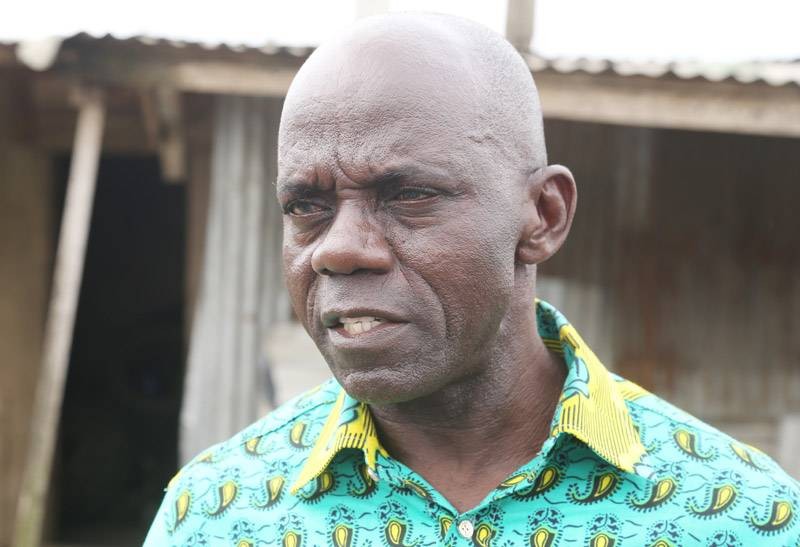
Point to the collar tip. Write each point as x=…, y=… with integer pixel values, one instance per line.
x=300, y=483
x=644, y=470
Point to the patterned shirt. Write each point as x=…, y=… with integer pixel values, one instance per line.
x=620, y=468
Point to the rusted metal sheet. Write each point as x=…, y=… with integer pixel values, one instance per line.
x=241, y=293
x=691, y=241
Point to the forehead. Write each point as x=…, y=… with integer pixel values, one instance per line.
x=355, y=151
x=370, y=108
x=354, y=147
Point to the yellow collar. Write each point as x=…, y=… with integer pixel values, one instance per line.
x=349, y=425
x=591, y=408
x=592, y=405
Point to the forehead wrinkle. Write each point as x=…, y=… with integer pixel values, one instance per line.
x=379, y=134
x=440, y=79
x=311, y=176
x=356, y=157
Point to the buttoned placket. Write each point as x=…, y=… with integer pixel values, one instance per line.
x=462, y=530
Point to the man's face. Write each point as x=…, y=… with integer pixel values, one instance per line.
x=400, y=232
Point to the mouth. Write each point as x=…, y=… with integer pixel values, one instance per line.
x=358, y=323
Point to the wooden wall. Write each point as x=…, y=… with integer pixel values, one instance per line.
x=26, y=249
x=684, y=265
x=37, y=123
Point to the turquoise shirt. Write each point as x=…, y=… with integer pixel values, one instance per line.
x=620, y=468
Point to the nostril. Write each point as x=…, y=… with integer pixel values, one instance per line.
x=346, y=250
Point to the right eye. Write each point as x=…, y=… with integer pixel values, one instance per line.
x=302, y=207
x=413, y=194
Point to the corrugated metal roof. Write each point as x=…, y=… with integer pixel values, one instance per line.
x=770, y=73
x=266, y=49
x=141, y=40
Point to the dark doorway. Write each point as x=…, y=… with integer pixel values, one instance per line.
x=118, y=436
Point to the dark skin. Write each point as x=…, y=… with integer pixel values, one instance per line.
x=416, y=194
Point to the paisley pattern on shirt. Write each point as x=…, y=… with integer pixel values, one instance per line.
x=622, y=468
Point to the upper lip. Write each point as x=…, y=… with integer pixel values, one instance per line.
x=330, y=318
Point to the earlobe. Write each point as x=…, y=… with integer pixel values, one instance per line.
x=552, y=197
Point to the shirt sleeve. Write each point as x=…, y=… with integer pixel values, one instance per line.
x=159, y=535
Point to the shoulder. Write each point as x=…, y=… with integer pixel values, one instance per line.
x=249, y=471
x=277, y=442
x=716, y=473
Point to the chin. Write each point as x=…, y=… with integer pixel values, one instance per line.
x=385, y=387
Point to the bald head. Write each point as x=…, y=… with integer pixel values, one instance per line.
x=418, y=77
x=416, y=197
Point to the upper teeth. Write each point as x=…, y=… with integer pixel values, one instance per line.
x=357, y=325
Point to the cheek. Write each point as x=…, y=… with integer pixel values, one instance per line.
x=469, y=268
x=299, y=278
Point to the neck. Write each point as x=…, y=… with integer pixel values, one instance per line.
x=468, y=437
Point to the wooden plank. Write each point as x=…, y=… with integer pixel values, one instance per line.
x=519, y=23
x=789, y=444
x=26, y=197
x=60, y=319
x=248, y=74
x=198, y=188
x=162, y=120
x=731, y=107
x=231, y=79
x=7, y=56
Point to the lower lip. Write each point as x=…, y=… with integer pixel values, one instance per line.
x=375, y=336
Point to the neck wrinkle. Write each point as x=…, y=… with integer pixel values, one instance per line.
x=507, y=409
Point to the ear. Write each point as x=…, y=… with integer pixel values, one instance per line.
x=551, y=197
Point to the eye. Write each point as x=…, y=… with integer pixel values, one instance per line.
x=413, y=194
x=302, y=207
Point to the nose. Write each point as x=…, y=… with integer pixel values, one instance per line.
x=353, y=243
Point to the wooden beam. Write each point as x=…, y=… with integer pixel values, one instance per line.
x=147, y=103
x=162, y=119
x=7, y=56
x=701, y=105
x=231, y=79
x=60, y=319
x=250, y=73
x=212, y=77
x=659, y=102
x=789, y=443
x=519, y=23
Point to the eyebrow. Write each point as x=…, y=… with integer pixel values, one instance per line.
x=390, y=177
x=297, y=187
x=410, y=171
x=304, y=187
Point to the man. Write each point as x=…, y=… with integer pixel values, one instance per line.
x=418, y=203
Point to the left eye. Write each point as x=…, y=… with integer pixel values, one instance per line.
x=412, y=194
x=301, y=208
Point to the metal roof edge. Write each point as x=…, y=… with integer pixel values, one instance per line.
x=772, y=73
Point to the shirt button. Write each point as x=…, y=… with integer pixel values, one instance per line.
x=465, y=528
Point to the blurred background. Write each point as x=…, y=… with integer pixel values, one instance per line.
x=137, y=157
